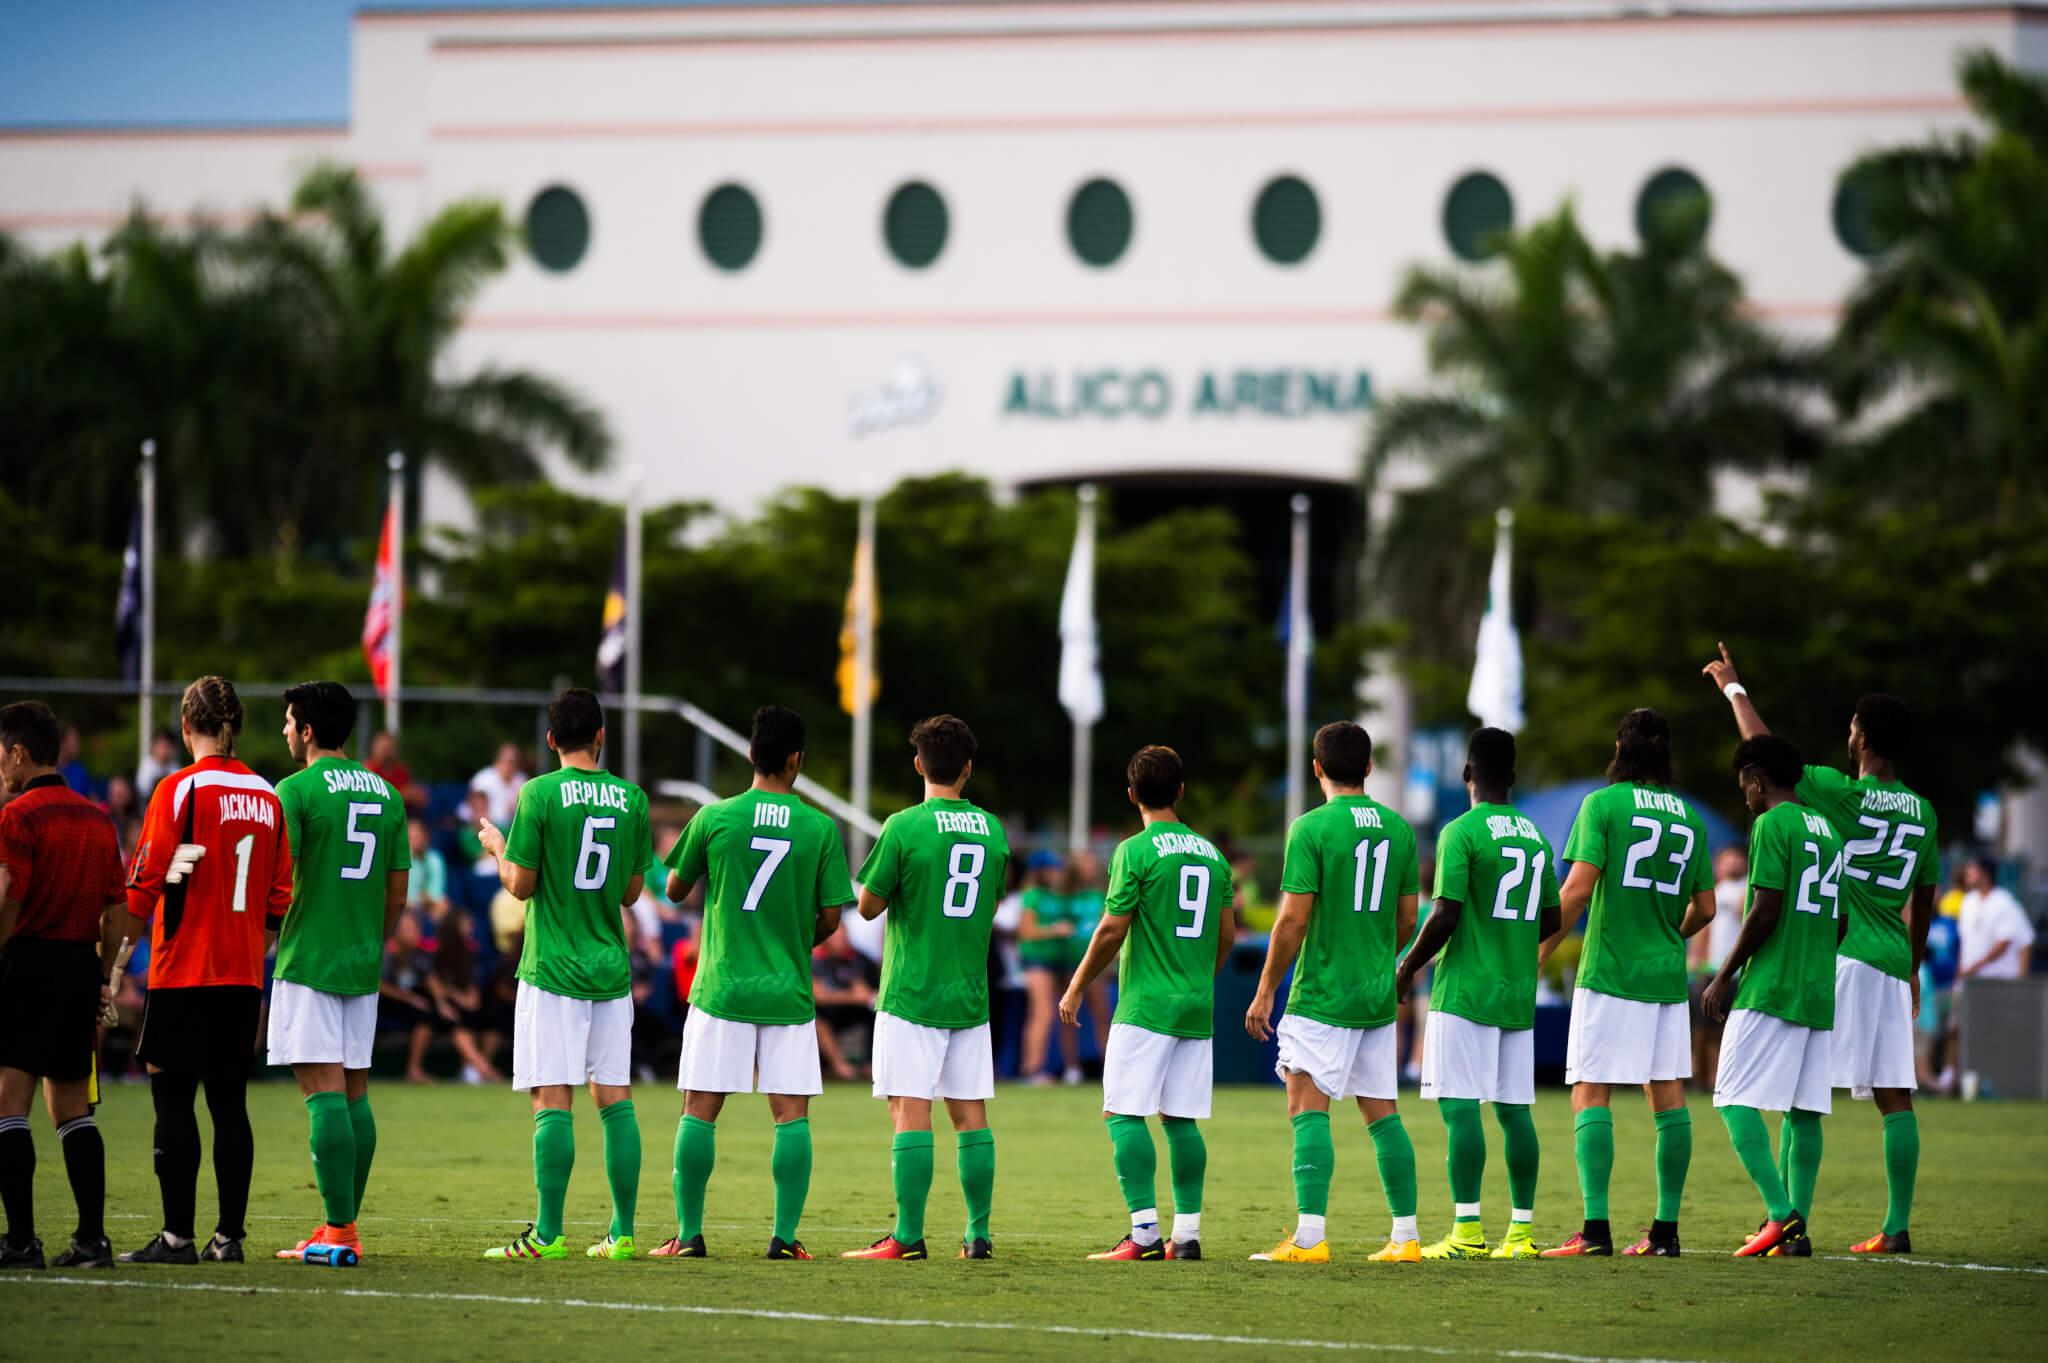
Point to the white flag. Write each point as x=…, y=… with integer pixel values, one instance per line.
x=1080, y=658
x=1495, y=695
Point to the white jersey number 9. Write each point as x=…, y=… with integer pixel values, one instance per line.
x=1194, y=899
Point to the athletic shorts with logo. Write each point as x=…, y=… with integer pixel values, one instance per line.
x=1146, y=1072
x=310, y=1026
x=723, y=1056
x=560, y=1040
x=1773, y=1065
x=1466, y=1059
x=1626, y=1041
x=1873, y=1038
x=916, y=1061
x=1343, y=1062
x=49, y=1007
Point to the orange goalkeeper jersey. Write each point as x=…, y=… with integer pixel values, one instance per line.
x=209, y=928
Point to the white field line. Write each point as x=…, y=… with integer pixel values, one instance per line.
x=1925, y=1263
x=822, y=1318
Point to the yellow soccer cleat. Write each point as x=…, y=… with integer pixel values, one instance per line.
x=1287, y=1252
x=1398, y=1252
x=1459, y=1244
x=1519, y=1244
x=617, y=1250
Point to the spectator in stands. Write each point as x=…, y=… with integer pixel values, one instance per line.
x=457, y=1002
x=1255, y=913
x=121, y=802
x=500, y=783
x=426, y=891
x=1997, y=936
x=403, y=1000
x=1005, y=966
x=845, y=1004
x=385, y=761
x=161, y=760
x=501, y=997
x=69, y=765
x=1043, y=934
x=1933, y=1057
x=1705, y=952
x=1085, y=895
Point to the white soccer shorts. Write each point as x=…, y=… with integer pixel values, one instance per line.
x=1626, y=1041
x=1146, y=1072
x=1344, y=1062
x=1466, y=1059
x=560, y=1040
x=916, y=1061
x=1773, y=1065
x=1873, y=1038
x=723, y=1056
x=310, y=1026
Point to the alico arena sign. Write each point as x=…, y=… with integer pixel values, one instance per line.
x=1155, y=394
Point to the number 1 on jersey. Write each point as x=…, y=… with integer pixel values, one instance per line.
x=1523, y=871
x=1374, y=853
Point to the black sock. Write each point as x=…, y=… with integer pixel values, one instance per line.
x=18, y=1180
x=234, y=1147
x=85, y=1160
x=1597, y=1230
x=177, y=1149
x=1664, y=1230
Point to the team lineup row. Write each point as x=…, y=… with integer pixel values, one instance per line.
x=1817, y=992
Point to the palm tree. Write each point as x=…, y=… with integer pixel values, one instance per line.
x=1943, y=349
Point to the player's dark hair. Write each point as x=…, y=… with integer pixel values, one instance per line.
x=778, y=733
x=945, y=745
x=1491, y=753
x=34, y=726
x=1887, y=724
x=212, y=708
x=326, y=707
x=1345, y=750
x=1155, y=775
x=574, y=717
x=1642, y=750
x=1775, y=757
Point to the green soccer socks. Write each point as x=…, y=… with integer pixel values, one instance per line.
x=1137, y=1161
x=621, y=1163
x=976, y=1154
x=1524, y=1154
x=1315, y=1159
x=790, y=1162
x=1674, y=1157
x=1396, y=1156
x=696, y=1153
x=334, y=1156
x=1753, y=1148
x=1187, y=1158
x=910, y=1167
x=554, y=1156
x=364, y=1124
x=1901, y=1168
x=1465, y=1157
x=1802, y=1141
x=1593, y=1148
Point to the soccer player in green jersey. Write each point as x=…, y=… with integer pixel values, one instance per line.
x=350, y=861
x=775, y=882
x=575, y=854
x=1169, y=914
x=1496, y=900
x=1348, y=889
x=1638, y=855
x=938, y=870
x=1891, y=874
x=1776, y=1053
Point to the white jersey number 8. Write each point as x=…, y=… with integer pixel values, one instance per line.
x=963, y=879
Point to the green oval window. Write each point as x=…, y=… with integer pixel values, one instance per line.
x=1477, y=209
x=557, y=228
x=1099, y=222
x=1853, y=227
x=1286, y=220
x=1676, y=194
x=729, y=227
x=914, y=224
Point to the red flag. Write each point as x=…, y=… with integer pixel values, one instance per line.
x=377, y=619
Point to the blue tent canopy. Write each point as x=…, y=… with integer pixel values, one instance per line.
x=1553, y=809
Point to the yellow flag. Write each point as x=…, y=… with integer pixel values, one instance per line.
x=860, y=592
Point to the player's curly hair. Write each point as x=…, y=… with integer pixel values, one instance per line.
x=1887, y=724
x=1771, y=756
x=1642, y=750
x=212, y=708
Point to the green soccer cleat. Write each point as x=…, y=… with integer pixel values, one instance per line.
x=527, y=1245
x=1519, y=1244
x=1459, y=1244
x=615, y=1249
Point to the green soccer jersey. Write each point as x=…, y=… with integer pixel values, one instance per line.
x=347, y=831
x=1651, y=851
x=1889, y=848
x=941, y=866
x=770, y=863
x=1178, y=886
x=1493, y=861
x=1049, y=907
x=1795, y=850
x=585, y=835
x=1357, y=857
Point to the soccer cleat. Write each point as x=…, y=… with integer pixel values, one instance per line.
x=1397, y=1252
x=325, y=1234
x=527, y=1245
x=1581, y=1246
x=1127, y=1248
x=1287, y=1252
x=977, y=1249
x=29, y=1255
x=1459, y=1245
x=1650, y=1247
x=98, y=1254
x=161, y=1251
x=298, y=1251
x=616, y=1249
x=1517, y=1244
x=1183, y=1249
x=888, y=1247
x=221, y=1250
x=1770, y=1234
x=779, y=1248
x=675, y=1247
x=1881, y=1243
x=1798, y=1246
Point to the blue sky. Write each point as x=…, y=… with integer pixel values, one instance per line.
x=180, y=61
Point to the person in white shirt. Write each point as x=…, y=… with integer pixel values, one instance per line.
x=1706, y=951
x=500, y=783
x=1997, y=938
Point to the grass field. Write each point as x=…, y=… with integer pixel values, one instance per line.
x=453, y=1175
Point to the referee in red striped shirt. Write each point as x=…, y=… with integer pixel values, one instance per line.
x=62, y=916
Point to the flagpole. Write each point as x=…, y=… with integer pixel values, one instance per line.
x=396, y=515
x=634, y=546
x=147, y=669
x=1297, y=663
x=864, y=588
x=1084, y=731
